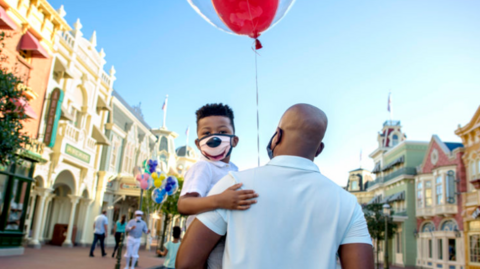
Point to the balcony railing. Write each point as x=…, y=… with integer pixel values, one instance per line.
x=71, y=132
x=35, y=146
x=442, y=210
x=402, y=171
x=90, y=143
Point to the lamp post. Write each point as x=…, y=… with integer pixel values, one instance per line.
x=386, y=213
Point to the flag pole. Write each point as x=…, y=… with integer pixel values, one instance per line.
x=165, y=112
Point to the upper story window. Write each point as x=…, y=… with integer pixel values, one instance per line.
x=26, y=55
x=394, y=140
x=439, y=190
x=419, y=195
x=355, y=185
x=428, y=193
x=163, y=144
x=115, y=147
x=450, y=185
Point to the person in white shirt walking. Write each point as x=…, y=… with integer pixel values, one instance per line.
x=302, y=218
x=135, y=228
x=101, y=226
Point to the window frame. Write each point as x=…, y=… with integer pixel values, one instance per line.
x=439, y=186
x=428, y=197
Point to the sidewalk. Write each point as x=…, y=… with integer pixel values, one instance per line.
x=53, y=257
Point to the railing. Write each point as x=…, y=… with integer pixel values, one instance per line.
x=411, y=171
x=71, y=132
x=444, y=209
x=69, y=39
x=106, y=78
x=35, y=146
x=391, y=123
x=90, y=143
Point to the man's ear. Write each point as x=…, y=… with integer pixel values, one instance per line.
x=278, y=137
x=235, y=141
x=197, y=143
x=320, y=149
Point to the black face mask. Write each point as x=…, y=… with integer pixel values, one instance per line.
x=269, y=146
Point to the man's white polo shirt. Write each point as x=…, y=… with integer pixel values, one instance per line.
x=300, y=220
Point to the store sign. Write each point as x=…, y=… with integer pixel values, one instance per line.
x=474, y=225
x=74, y=152
x=129, y=186
x=476, y=213
x=53, y=116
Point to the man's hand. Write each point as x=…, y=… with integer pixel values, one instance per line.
x=148, y=231
x=235, y=199
x=133, y=227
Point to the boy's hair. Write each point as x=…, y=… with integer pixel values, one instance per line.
x=215, y=110
x=176, y=232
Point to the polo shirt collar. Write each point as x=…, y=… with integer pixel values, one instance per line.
x=219, y=164
x=294, y=162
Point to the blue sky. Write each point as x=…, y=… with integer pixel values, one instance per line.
x=342, y=56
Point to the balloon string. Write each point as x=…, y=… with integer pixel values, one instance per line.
x=258, y=117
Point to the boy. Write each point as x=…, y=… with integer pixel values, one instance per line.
x=171, y=249
x=215, y=140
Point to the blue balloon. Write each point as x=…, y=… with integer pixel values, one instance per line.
x=173, y=191
x=168, y=188
x=159, y=195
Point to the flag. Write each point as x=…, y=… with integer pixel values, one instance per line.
x=187, y=131
x=164, y=107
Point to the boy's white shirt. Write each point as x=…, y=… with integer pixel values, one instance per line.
x=202, y=176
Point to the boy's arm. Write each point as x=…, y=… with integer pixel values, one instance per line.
x=231, y=198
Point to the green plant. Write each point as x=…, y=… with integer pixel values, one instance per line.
x=12, y=139
x=376, y=224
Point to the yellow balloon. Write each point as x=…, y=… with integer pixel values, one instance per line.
x=157, y=183
x=154, y=175
x=162, y=176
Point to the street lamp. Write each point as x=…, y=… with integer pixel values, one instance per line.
x=386, y=213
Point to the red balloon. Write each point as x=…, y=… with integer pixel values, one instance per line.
x=247, y=17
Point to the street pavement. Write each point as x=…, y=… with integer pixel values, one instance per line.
x=53, y=257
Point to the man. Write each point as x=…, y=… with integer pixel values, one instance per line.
x=101, y=227
x=135, y=228
x=302, y=219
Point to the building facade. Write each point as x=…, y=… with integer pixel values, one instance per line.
x=439, y=185
x=28, y=30
x=72, y=129
x=470, y=135
x=357, y=185
x=395, y=162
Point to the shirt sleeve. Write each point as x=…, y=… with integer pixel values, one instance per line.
x=167, y=245
x=197, y=179
x=216, y=220
x=357, y=230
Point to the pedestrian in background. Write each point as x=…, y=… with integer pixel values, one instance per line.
x=101, y=226
x=135, y=228
x=119, y=230
x=171, y=249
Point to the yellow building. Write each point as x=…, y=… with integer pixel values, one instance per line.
x=470, y=135
x=357, y=185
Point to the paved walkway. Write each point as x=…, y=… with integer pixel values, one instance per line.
x=53, y=257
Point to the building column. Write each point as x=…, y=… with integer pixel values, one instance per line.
x=42, y=194
x=68, y=241
x=43, y=221
x=87, y=203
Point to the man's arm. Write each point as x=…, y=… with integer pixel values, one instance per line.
x=196, y=246
x=356, y=256
x=106, y=230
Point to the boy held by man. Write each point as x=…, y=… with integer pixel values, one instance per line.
x=215, y=139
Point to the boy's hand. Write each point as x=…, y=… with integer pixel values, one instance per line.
x=235, y=199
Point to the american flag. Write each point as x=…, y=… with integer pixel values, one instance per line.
x=188, y=130
x=165, y=104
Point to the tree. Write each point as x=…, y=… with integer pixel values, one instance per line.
x=376, y=224
x=168, y=208
x=12, y=139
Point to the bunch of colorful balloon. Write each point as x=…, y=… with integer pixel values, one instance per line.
x=152, y=178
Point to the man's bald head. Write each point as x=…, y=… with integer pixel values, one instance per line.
x=302, y=128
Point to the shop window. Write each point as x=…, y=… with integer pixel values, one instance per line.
x=17, y=207
x=475, y=248
x=3, y=188
x=419, y=195
x=440, y=249
x=452, y=249
x=439, y=189
x=428, y=193
x=430, y=249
